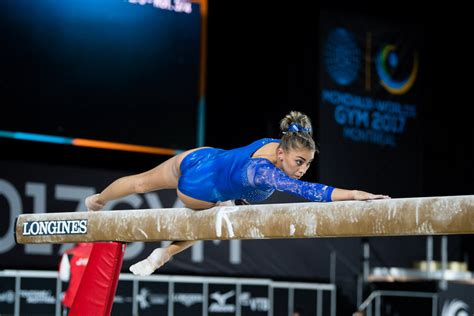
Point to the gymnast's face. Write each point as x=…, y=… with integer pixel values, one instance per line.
x=295, y=162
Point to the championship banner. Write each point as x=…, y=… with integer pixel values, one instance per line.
x=370, y=103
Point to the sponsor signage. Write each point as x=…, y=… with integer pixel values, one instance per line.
x=59, y=227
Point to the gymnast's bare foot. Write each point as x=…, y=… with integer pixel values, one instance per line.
x=155, y=260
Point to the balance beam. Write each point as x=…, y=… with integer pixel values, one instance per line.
x=393, y=217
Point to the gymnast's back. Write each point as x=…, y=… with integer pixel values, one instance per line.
x=214, y=174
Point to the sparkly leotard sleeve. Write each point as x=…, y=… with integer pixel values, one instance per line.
x=268, y=177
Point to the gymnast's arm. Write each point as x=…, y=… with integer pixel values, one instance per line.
x=267, y=176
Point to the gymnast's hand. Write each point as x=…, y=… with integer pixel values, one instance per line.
x=93, y=204
x=361, y=195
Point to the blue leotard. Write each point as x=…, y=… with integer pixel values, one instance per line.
x=212, y=175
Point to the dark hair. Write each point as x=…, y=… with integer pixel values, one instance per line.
x=297, y=132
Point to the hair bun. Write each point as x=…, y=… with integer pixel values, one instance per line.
x=296, y=122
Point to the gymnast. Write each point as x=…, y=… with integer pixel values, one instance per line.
x=205, y=177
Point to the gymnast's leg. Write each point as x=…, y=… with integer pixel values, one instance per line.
x=164, y=176
x=160, y=256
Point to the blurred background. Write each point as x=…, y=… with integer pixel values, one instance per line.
x=387, y=87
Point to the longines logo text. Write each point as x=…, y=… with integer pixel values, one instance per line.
x=61, y=227
x=188, y=299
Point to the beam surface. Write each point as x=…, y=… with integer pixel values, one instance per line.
x=394, y=217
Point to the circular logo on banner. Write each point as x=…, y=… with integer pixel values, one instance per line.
x=455, y=308
x=342, y=56
x=393, y=77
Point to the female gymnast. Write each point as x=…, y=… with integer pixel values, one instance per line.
x=205, y=177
